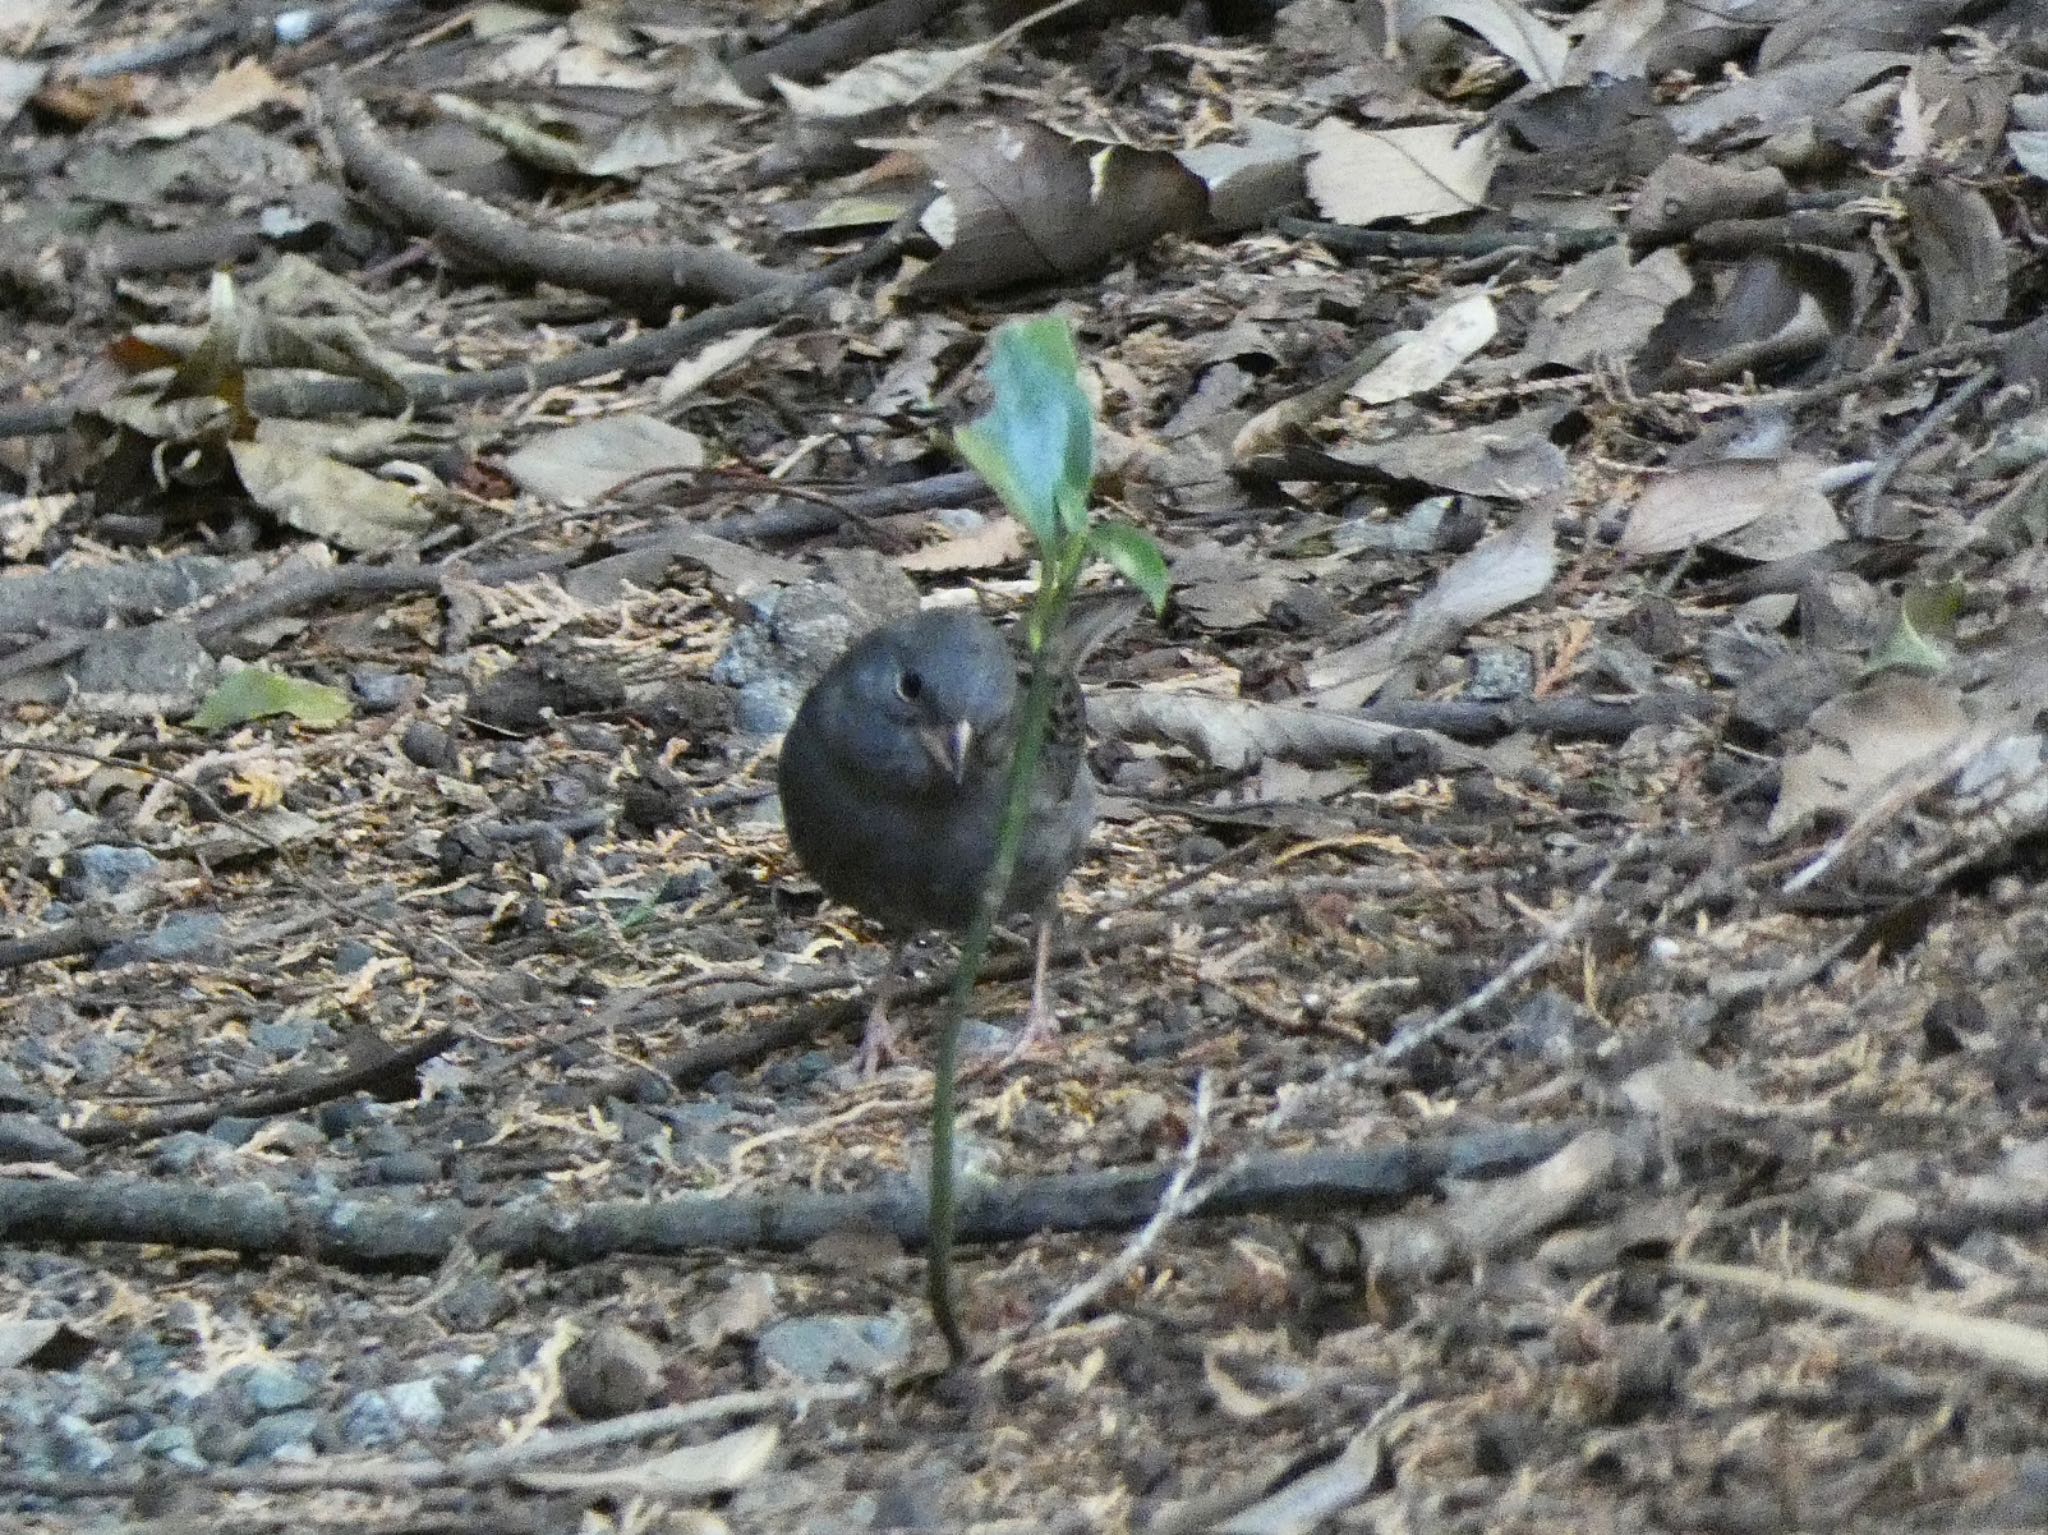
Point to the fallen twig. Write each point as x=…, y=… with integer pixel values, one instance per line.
x=646, y=277
x=392, y=1063
x=1178, y=1201
x=646, y=353
x=410, y=1235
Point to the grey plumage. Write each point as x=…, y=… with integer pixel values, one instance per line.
x=894, y=773
x=874, y=810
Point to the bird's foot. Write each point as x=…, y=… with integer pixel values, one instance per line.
x=877, y=1044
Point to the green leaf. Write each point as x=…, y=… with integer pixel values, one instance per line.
x=1136, y=558
x=1036, y=445
x=1920, y=640
x=253, y=693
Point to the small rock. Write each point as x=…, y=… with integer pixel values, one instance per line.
x=1500, y=673
x=474, y=1304
x=406, y=1167
x=610, y=1372
x=813, y=1348
x=187, y=1152
x=197, y=936
x=282, y=1036
x=101, y=870
x=523, y=698
x=24, y=1138
x=382, y=692
x=427, y=745
x=79, y=1445
x=369, y=1422
x=262, y=1389
x=173, y=1443
x=417, y=1404
x=281, y=1436
x=350, y=955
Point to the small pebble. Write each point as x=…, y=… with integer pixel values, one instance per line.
x=610, y=1372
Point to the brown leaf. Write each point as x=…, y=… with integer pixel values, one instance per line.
x=1025, y=204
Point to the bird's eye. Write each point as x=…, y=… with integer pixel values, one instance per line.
x=909, y=686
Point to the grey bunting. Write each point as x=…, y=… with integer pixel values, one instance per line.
x=893, y=778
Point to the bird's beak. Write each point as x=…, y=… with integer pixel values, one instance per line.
x=948, y=746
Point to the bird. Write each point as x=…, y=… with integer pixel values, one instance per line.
x=894, y=776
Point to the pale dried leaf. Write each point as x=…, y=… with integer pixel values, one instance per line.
x=1022, y=203
x=695, y=1471
x=1310, y=1500
x=242, y=88
x=1491, y=1216
x=340, y=503
x=1423, y=359
x=694, y=371
x=1357, y=176
x=578, y=464
x=1536, y=48
x=2010, y=1347
x=1861, y=740
x=998, y=541
x=1707, y=502
x=1495, y=574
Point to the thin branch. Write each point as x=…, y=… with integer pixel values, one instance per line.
x=1176, y=1202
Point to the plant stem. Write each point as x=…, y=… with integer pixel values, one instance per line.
x=1054, y=592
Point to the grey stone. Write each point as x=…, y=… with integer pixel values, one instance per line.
x=269, y=1388
x=813, y=1348
x=174, y=1443
x=79, y=1446
x=102, y=870
x=281, y=1436
x=283, y=1036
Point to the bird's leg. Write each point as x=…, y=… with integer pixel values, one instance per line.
x=878, y=1041
x=1039, y=1023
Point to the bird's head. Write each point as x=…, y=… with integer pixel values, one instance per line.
x=917, y=703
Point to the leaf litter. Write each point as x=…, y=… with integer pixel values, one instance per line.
x=1717, y=541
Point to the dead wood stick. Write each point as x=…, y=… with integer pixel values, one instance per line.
x=787, y=517
x=88, y=935
x=872, y=29
x=646, y=353
x=410, y=1235
x=650, y=277
x=391, y=1063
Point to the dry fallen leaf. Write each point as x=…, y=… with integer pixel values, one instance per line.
x=1022, y=203
x=1861, y=740
x=1358, y=176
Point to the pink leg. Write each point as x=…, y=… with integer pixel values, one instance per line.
x=1040, y=1026
x=878, y=1042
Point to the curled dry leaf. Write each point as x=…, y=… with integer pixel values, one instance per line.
x=900, y=77
x=1493, y=575
x=1315, y=1497
x=1603, y=308
x=241, y=89
x=1711, y=503
x=695, y=1471
x=1234, y=733
x=1022, y=203
x=1537, y=49
x=1861, y=740
x=1492, y=1216
x=998, y=541
x=348, y=507
x=1250, y=181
